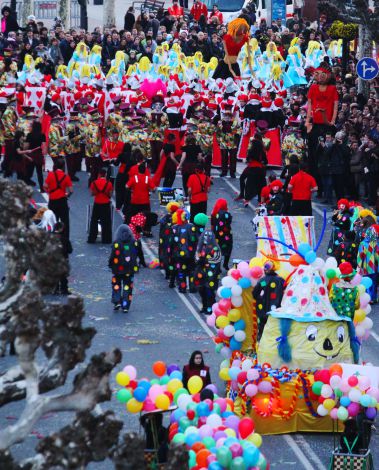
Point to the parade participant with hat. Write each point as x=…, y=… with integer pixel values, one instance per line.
x=92, y=137
x=123, y=263
x=275, y=203
x=207, y=270
x=234, y=40
x=343, y=296
x=35, y=141
x=72, y=148
x=368, y=258
x=341, y=221
x=221, y=222
x=56, y=134
x=102, y=190
x=58, y=186
x=165, y=224
x=198, y=188
x=227, y=136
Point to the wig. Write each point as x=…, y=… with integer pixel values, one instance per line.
x=235, y=25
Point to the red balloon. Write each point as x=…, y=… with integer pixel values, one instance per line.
x=196, y=398
x=132, y=384
x=170, y=395
x=323, y=376
x=190, y=414
x=352, y=380
x=321, y=400
x=235, y=274
x=313, y=396
x=245, y=427
x=242, y=377
x=209, y=403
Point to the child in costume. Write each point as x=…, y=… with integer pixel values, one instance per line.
x=275, y=203
x=207, y=270
x=295, y=71
x=368, y=259
x=347, y=249
x=164, y=237
x=341, y=221
x=123, y=263
x=221, y=222
x=183, y=242
x=343, y=296
x=268, y=293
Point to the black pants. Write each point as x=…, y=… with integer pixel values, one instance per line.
x=197, y=208
x=228, y=159
x=183, y=3
x=183, y=268
x=30, y=166
x=61, y=211
x=301, y=207
x=156, y=147
x=252, y=180
x=318, y=130
x=373, y=183
x=140, y=254
x=72, y=163
x=222, y=70
x=208, y=298
x=338, y=182
x=169, y=179
x=101, y=213
x=121, y=191
x=8, y=153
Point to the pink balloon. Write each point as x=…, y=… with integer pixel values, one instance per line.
x=235, y=274
x=234, y=385
x=148, y=405
x=353, y=409
x=265, y=387
x=205, y=431
x=224, y=304
x=220, y=442
x=363, y=382
x=236, y=450
x=131, y=371
x=252, y=374
x=220, y=334
x=236, y=363
x=154, y=391
x=373, y=392
x=211, y=320
x=256, y=272
x=333, y=413
x=211, y=458
x=219, y=312
x=222, y=403
x=251, y=390
x=356, y=280
x=344, y=386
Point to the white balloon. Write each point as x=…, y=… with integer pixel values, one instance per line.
x=247, y=364
x=326, y=391
x=183, y=401
x=236, y=290
x=321, y=410
x=240, y=336
x=224, y=364
x=355, y=395
x=331, y=263
x=318, y=263
x=367, y=323
x=367, y=309
x=228, y=281
x=236, y=300
x=214, y=420
x=360, y=331
x=335, y=381
x=191, y=430
x=229, y=331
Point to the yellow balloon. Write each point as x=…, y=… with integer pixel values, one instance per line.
x=359, y=315
x=230, y=432
x=174, y=385
x=134, y=406
x=329, y=404
x=224, y=374
x=195, y=384
x=122, y=378
x=255, y=439
x=361, y=289
x=234, y=314
x=162, y=402
x=222, y=321
x=256, y=262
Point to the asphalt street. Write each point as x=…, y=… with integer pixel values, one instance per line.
x=165, y=325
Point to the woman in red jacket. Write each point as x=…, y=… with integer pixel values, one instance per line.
x=197, y=367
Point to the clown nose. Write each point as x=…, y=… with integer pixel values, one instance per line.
x=327, y=345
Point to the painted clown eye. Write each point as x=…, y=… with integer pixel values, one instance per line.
x=311, y=332
x=341, y=334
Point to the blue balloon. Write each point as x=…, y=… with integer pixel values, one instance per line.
x=366, y=282
x=215, y=466
x=178, y=413
x=303, y=248
x=234, y=371
x=203, y=409
x=244, y=282
x=226, y=293
x=176, y=375
x=140, y=394
x=345, y=401
x=235, y=346
x=230, y=440
x=365, y=401
x=240, y=325
x=144, y=384
x=225, y=414
x=191, y=439
x=251, y=456
x=310, y=257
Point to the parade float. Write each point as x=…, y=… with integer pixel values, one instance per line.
x=295, y=376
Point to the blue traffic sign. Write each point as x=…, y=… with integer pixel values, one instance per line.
x=367, y=68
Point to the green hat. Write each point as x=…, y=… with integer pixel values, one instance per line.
x=201, y=219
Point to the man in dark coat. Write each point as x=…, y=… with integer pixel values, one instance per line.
x=8, y=21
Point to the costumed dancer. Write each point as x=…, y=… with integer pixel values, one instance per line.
x=123, y=263
x=347, y=250
x=72, y=148
x=234, y=40
x=124, y=162
x=368, y=259
x=93, y=140
x=156, y=122
x=207, y=270
x=268, y=293
x=251, y=114
x=343, y=296
x=9, y=124
x=221, y=223
x=198, y=188
x=341, y=221
x=183, y=242
x=227, y=136
x=295, y=71
x=165, y=224
x=56, y=141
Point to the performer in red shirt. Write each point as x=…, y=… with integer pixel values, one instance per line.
x=102, y=190
x=199, y=9
x=175, y=10
x=302, y=185
x=321, y=113
x=237, y=36
x=112, y=148
x=217, y=13
x=198, y=188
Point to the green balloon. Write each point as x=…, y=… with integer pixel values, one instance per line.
x=164, y=380
x=179, y=392
x=154, y=381
x=316, y=388
x=218, y=347
x=330, y=273
x=238, y=464
x=262, y=462
x=178, y=438
x=192, y=406
x=216, y=408
x=123, y=395
x=224, y=456
x=338, y=393
x=184, y=422
x=191, y=459
x=209, y=442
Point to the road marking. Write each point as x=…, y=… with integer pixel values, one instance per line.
x=302, y=443
x=299, y=453
x=375, y=336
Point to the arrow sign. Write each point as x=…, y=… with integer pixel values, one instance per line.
x=367, y=68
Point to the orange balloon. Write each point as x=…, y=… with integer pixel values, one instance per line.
x=201, y=458
x=335, y=369
x=296, y=260
x=159, y=368
x=197, y=446
x=230, y=403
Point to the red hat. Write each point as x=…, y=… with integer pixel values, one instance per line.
x=242, y=97
x=278, y=102
x=346, y=270
x=266, y=103
x=276, y=183
x=345, y=202
x=55, y=97
x=255, y=97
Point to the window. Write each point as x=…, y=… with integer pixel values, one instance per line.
x=225, y=5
